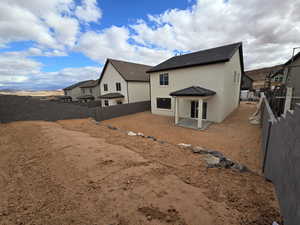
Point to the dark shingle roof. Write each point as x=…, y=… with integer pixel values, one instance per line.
x=260, y=74
x=193, y=91
x=209, y=56
x=112, y=95
x=128, y=70
x=88, y=84
x=77, y=84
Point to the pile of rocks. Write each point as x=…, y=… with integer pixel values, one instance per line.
x=215, y=159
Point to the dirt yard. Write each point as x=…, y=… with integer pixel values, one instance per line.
x=235, y=137
x=79, y=172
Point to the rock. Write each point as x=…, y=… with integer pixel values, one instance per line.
x=240, y=167
x=212, y=161
x=199, y=150
x=149, y=218
x=151, y=137
x=140, y=134
x=225, y=163
x=161, y=142
x=111, y=127
x=185, y=145
x=217, y=154
x=130, y=133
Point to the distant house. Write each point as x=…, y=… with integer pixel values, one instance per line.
x=89, y=91
x=258, y=76
x=123, y=82
x=291, y=77
x=74, y=91
x=198, y=87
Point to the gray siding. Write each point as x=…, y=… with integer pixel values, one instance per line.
x=281, y=154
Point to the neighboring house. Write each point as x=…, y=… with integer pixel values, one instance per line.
x=74, y=91
x=246, y=82
x=123, y=82
x=291, y=78
x=90, y=91
x=198, y=87
x=258, y=76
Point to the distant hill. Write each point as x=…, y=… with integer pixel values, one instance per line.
x=31, y=93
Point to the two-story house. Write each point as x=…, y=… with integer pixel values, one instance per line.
x=198, y=87
x=74, y=91
x=123, y=82
x=89, y=91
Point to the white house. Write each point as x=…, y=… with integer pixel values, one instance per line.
x=123, y=82
x=90, y=91
x=198, y=87
x=74, y=91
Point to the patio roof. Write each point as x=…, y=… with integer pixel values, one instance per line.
x=193, y=91
x=112, y=95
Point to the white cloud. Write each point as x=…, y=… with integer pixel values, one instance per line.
x=18, y=71
x=88, y=11
x=269, y=29
x=114, y=42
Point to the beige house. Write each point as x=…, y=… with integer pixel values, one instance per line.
x=74, y=91
x=123, y=82
x=199, y=87
x=89, y=91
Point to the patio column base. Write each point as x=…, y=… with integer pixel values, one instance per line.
x=200, y=105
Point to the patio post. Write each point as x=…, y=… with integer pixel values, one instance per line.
x=176, y=110
x=200, y=105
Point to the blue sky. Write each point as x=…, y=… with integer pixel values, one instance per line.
x=52, y=44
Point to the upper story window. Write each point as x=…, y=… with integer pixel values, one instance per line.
x=164, y=79
x=118, y=86
x=91, y=90
x=235, y=77
x=105, y=87
x=83, y=90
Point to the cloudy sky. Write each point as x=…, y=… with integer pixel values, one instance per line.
x=51, y=44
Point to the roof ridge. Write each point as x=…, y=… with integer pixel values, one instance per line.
x=118, y=60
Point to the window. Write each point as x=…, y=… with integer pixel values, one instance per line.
x=235, y=77
x=91, y=90
x=119, y=102
x=118, y=86
x=83, y=91
x=106, y=103
x=164, y=79
x=105, y=87
x=163, y=103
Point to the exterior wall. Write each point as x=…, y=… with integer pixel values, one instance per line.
x=95, y=91
x=138, y=91
x=217, y=77
x=210, y=77
x=232, y=85
x=110, y=77
x=74, y=93
x=293, y=79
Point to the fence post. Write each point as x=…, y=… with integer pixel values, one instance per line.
x=267, y=145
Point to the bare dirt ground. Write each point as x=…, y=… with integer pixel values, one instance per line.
x=235, y=137
x=78, y=172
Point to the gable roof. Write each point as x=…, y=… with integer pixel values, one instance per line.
x=292, y=59
x=90, y=83
x=193, y=91
x=77, y=84
x=204, y=57
x=128, y=70
x=260, y=74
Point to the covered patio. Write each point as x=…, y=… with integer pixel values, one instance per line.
x=191, y=107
